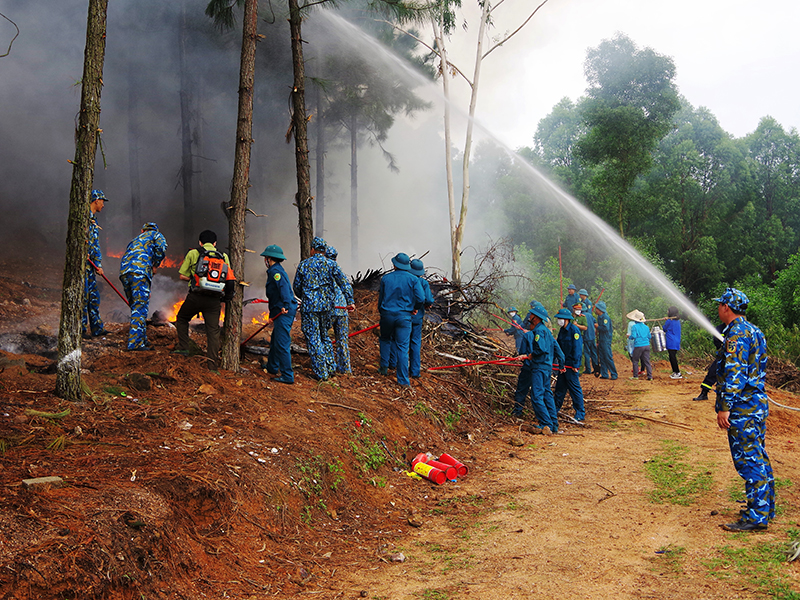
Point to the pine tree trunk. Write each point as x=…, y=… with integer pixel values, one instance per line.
x=241, y=183
x=303, y=199
x=187, y=167
x=68, y=371
x=354, y=191
x=321, y=149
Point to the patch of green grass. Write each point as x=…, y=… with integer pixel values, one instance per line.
x=736, y=492
x=451, y=419
x=670, y=558
x=761, y=564
x=430, y=594
x=676, y=481
x=336, y=472
x=368, y=453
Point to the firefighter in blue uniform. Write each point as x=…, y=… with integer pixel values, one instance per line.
x=400, y=295
x=572, y=297
x=742, y=408
x=314, y=284
x=340, y=320
x=282, y=310
x=142, y=256
x=605, y=332
x=415, y=342
x=591, y=363
x=516, y=329
x=92, y=323
x=541, y=348
x=197, y=301
x=571, y=343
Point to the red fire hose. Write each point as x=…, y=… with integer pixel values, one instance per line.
x=517, y=325
x=94, y=266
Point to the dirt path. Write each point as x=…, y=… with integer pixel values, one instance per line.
x=568, y=516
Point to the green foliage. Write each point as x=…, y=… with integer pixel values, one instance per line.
x=676, y=481
x=762, y=564
x=368, y=453
x=671, y=557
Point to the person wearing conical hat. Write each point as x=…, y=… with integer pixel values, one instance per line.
x=604, y=329
x=639, y=339
x=571, y=343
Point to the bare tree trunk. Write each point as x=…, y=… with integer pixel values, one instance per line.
x=241, y=183
x=187, y=167
x=68, y=371
x=473, y=102
x=321, y=149
x=303, y=199
x=133, y=151
x=438, y=35
x=354, y=191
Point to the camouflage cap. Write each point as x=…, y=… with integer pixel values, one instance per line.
x=98, y=195
x=734, y=298
x=330, y=252
x=318, y=244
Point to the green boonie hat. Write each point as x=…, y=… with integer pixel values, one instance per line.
x=274, y=251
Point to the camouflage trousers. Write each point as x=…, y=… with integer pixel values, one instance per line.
x=746, y=439
x=341, y=331
x=314, y=326
x=92, y=323
x=137, y=290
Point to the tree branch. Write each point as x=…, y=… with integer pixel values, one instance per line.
x=510, y=35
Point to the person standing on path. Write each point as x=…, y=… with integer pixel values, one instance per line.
x=589, y=337
x=198, y=300
x=401, y=295
x=742, y=408
x=92, y=323
x=571, y=343
x=140, y=261
x=605, y=333
x=672, y=333
x=282, y=310
x=639, y=339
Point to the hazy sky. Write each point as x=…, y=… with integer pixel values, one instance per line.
x=738, y=58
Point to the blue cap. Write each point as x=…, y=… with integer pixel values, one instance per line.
x=402, y=262
x=564, y=314
x=734, y=298
x=98, y=195
x=149, y=227
x=512, y=309
x=540, y=311
x=274, y=251
x=583, y=291
x=330, y=252
x=318, y=244
x=417, y=268
x=601, y=306
x=571, y=286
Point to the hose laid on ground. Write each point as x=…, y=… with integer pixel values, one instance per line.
x=783, y=405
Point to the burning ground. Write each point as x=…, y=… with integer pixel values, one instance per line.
x=181, y=483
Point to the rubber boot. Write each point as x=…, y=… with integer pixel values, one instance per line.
x=703, y=395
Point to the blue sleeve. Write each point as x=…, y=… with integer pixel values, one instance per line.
x=298, y=281
x=341, y=280
x=419, y=295
x=159, y=249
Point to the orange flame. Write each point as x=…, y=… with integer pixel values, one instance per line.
x=167, y=263
x=172, y=313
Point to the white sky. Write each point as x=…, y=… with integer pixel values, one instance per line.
x=737, y=58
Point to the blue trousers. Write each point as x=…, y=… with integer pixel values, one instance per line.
x=280, y=346
x=570, y=381
x=396, y=329
x=537, y=383
x=608, y=369
x=92, y=323
x=414, y=349
x=341, y=332
x=137, y=290
x=314, y=326
x=590, y=355
x=746, y=440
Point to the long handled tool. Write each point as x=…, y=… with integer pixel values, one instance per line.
x=94, y=266
x=363, y=330
x=260, y=329
x=517, y=325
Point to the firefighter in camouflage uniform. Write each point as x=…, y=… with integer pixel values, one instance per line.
x=340, y=320
x=314, y=283
x=92, y=323
x=142, y=256
x=742, y=407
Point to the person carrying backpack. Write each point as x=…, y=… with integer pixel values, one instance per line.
x=211, y=282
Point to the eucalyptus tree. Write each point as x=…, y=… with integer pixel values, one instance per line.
x=630, y=102
x=775, y=158
x=697, y=179
x=362, y=98
x=68, y=370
